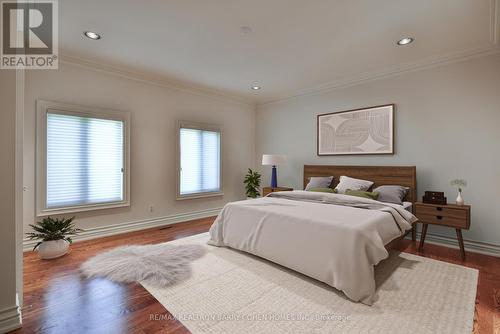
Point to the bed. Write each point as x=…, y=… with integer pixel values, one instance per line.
x=336, y=239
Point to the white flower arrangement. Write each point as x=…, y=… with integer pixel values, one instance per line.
x=459, y=183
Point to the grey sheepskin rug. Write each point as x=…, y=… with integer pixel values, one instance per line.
x=159, y=265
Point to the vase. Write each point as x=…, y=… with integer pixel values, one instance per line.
x=460, y=200
x=53, y=249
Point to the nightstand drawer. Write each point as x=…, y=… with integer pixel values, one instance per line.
x=442, y=220
x=449, y=215
x=441, y=211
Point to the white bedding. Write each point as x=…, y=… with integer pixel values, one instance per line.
x=407, y=205
x=334, y=243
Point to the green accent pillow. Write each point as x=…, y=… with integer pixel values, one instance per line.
x=364, y=194
x=322, y=190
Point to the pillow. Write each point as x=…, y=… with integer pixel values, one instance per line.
x=319, y=182
x=353, y=184
x=322, y=190
x=364, y=194
x=392, y=194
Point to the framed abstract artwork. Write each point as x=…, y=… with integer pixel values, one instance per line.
x=358, y=131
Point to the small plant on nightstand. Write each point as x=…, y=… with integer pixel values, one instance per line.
x=54, y=236
x=460, y=184
x=252, y=183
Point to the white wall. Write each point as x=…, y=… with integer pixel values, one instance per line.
x=9, y=317
x=154, y=111
x=447, y=124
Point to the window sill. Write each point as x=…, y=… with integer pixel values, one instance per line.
x=199, y=195
x=83, y=208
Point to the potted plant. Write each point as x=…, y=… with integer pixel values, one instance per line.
x=460, y=184
x=54, y=236
x=252, y=183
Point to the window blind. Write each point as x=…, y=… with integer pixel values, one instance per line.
x=85, y=160
x=199, y=161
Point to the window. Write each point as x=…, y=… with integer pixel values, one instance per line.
x=200, y=170
x=83, y=159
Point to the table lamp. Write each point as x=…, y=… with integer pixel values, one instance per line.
x=273, y=160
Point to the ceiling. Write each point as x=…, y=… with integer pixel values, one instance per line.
x=294, y=46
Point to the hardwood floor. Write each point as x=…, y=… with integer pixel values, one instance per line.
x=58, y=300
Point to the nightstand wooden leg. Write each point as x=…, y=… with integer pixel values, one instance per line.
x=422, y=236
x=461, y=243
x=414, y=232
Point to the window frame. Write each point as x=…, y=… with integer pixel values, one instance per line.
x=43, y=107
x=203, y=127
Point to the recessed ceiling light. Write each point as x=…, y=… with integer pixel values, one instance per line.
x=92, y=35
x=405, y=41
x=256, y=87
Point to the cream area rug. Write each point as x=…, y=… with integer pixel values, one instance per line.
x=233, y=292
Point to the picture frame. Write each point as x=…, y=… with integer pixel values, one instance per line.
x=362, y=131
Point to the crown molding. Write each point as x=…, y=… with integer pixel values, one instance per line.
x=442, y=60
x=157, y=80
x=387, y=73
x=238, y=99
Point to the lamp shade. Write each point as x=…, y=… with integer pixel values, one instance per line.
x=273, y=159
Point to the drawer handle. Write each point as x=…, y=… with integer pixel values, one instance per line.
x=439, y=217
x=439, y=208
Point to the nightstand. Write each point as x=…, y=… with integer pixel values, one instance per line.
x=451, y=215
x=268, y=190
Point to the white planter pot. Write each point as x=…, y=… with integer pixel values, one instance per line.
x=460, y=199
x=53, y=249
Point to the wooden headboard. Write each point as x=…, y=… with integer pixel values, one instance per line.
x=380, y=175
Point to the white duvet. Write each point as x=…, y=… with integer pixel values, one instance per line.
x=336, y=239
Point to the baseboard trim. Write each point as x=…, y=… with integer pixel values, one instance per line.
x=469, y=245
x=10, y=319
x=105, y=231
